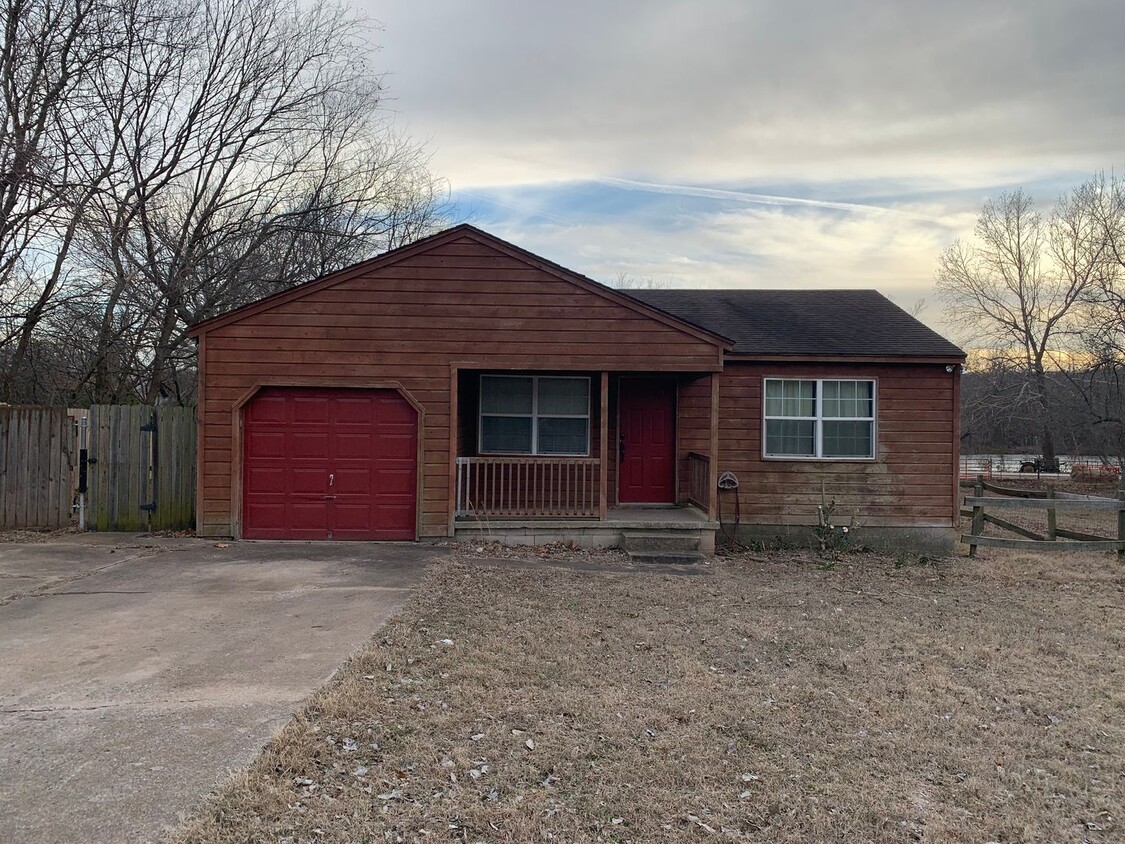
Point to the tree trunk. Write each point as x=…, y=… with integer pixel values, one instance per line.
x=1049, y=460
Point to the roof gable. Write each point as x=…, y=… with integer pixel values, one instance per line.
x=463, y=231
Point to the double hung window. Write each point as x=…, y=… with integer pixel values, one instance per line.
x=535, y=414
x=825, y=419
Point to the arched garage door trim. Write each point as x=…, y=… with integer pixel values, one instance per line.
x=237, y=414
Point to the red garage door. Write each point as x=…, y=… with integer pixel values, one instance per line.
x=329, y=464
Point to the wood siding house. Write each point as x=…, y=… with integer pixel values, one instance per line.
x=463, y=386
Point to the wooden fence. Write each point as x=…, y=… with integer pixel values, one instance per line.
x=137, y=463
x=37, y=457
x=1056, y=538
x=141, y=468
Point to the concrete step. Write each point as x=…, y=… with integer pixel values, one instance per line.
x=675, y=558
x=685, y=540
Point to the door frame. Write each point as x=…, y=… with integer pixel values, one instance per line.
x=615, y=446
x=238, y=464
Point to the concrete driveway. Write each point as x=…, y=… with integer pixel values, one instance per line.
x=137, y=672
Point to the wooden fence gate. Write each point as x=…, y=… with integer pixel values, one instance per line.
x=37, y=460
x=141, y=468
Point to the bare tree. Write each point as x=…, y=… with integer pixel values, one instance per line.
x=624, y=281
x=182, y=158
x=51, y=53
x=1099, y=378
x=1017, y=285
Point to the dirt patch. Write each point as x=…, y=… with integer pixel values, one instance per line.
x=773, y=700
x=35, y=535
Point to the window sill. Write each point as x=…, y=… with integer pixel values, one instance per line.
x=785, y=458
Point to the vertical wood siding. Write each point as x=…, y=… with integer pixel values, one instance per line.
x=37, y=457
x=461, y=302
x=913, y=481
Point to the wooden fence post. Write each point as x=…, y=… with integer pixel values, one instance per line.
x=978, y=515
x=1121, y=519
x=1052, y=517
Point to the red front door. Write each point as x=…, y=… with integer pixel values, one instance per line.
x=329, y=464
x=647, y=441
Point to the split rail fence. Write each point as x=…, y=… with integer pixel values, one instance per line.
x=113, y=467
x=1055, y=538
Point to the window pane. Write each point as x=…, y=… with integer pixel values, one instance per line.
x=773, y=398
x=793, y=438
x=791, y=398
x=506, y=434
x=505, y=395
x=848, y=439
x=564, y=396
x=563, y=436
x=848, y=399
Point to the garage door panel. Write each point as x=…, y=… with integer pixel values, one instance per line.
x=355, y=446
x=263, y=479
x=264, y=443
x=307, y=481
x=266, y=409
x=398, y=443
x=309, y=444
x=395, y=482
x=295, y=438
x=355, y=411
x=354, y=482
x=267, y=518
x=308, y=515
x=311, y=409
x=353, y=517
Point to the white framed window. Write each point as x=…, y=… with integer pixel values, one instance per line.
x=819, y=419
x=535, y=414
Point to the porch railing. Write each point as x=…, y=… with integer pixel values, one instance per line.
x=537, y=487
x=699, y=480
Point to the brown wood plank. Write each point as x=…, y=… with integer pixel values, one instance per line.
x=1033, y=545
x=1044, y=503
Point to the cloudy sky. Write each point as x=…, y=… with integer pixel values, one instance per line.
x=738, y=143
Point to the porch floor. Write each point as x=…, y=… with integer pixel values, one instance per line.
x=622, y=516
x=626, y=515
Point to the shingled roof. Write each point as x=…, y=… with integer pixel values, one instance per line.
x=821, y=323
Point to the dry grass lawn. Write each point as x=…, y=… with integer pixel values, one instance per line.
x=766, y=700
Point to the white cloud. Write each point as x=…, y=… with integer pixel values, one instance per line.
x=842, y=144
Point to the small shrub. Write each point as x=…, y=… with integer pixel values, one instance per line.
x=834, y=539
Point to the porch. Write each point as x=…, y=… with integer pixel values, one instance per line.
x=593, y=458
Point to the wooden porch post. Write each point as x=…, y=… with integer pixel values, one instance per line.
x=454, y=426
x=713, y=462
x=603, y=441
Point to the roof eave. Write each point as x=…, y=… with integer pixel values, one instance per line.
x=844, y=358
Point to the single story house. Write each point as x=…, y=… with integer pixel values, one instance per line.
x=462, y=386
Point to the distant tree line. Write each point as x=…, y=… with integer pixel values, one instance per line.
x=998, y=416
x=1044, y=296
x=162, y=161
